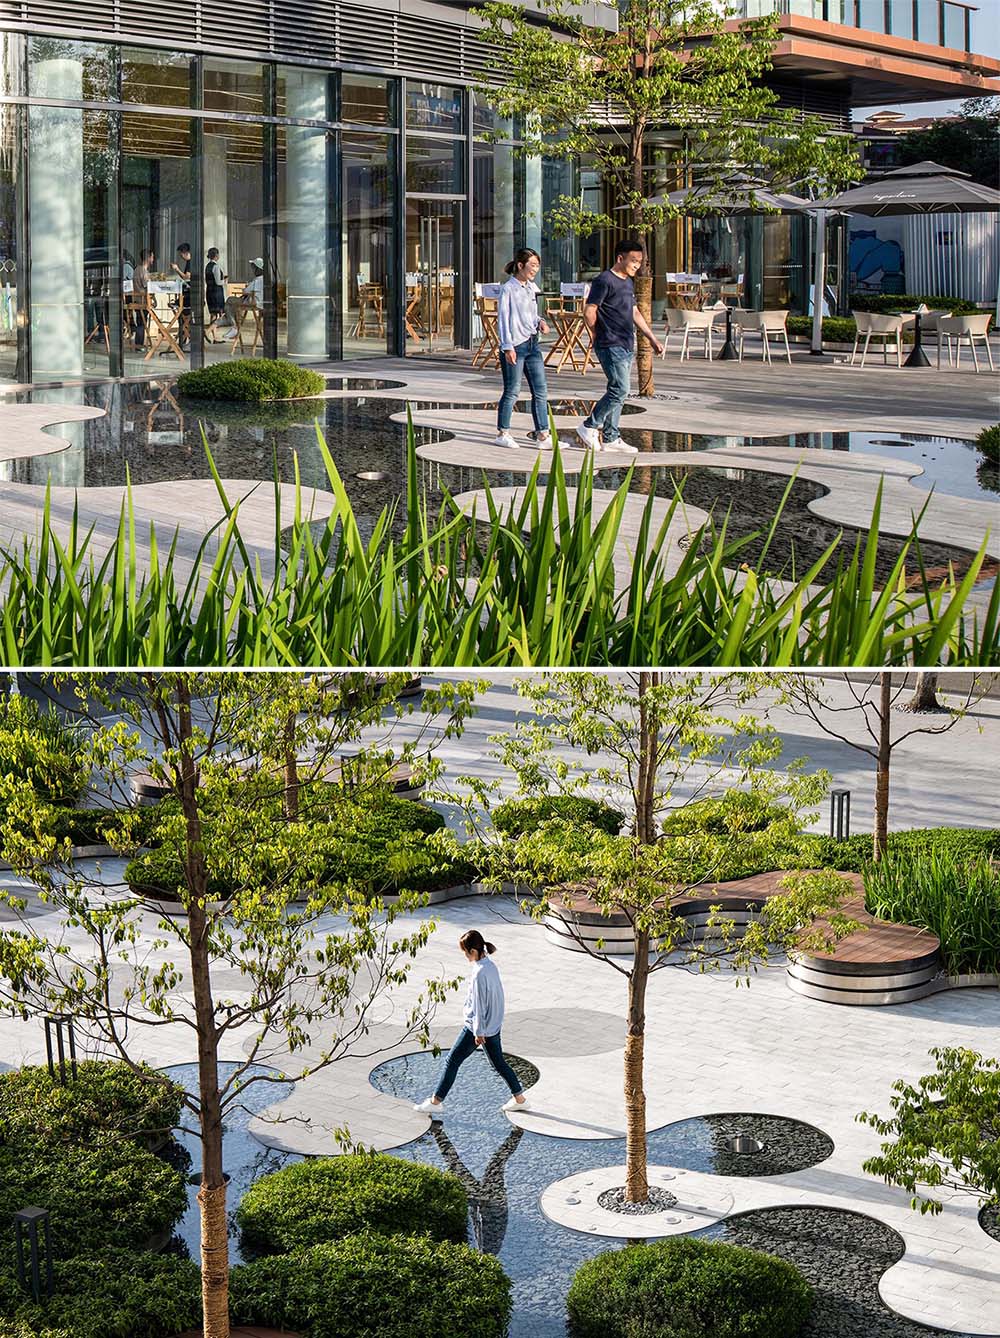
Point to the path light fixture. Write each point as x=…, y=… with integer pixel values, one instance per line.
x=840, y=814
x=59, y=1028
x=34, y=1250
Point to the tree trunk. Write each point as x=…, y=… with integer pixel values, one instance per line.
x=212, y=1194
x=636, y=1183
x=925, y=694
x=643, y=281
x=290, y=794
x=882, y=771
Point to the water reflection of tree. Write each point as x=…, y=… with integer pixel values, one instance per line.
x=488, y=1196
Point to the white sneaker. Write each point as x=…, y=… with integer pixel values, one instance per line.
x=512, y=1104
x=543, y=440
x=590, y=436
x=506, y=440
x=619, y=444
x=231, y=333
x=428, y=1107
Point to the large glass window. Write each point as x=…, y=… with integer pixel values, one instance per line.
x=77, y=71
x=433, y=107
x=159, y=212
x=434, y=166
x=365, y=99
x=156, y=78
x=235, y=230
x=956, y=26
x=10, y=121
x=368, y=301
x=901, y=18
x=233, y=86
x=497, y=209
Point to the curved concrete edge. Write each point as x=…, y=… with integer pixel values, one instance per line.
x=21, y=427
x=880, y=991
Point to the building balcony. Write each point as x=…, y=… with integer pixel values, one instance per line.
x=946, y=23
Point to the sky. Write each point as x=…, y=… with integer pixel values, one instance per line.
x=985, y=41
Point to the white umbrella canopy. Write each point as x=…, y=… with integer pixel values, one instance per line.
x=922, y=188
x=739, y=195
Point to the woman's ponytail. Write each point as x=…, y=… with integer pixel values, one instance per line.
x=473, y=941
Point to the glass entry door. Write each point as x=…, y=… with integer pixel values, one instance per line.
x=434, y=280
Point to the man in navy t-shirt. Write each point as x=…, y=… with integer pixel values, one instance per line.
x=612, y=315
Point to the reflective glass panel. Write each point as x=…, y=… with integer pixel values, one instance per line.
x=234, y=227
x=233, y=86
x=368, y=277
x=497, y=210
x=156, y=78
x=901, y=18
x=9, y=277
x=433, y=107
x=434, y=166
x=365, y=99
x=76, y=71
x=11, y=77
x=871, y=15
x=487, y=121
x=954, y=26
x=304, y=236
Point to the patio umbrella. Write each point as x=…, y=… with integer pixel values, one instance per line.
x=922, y=188
x=738, y=197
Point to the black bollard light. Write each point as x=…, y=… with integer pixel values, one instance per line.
x=34, y=1251
x=840, y=814
x=59, y=1028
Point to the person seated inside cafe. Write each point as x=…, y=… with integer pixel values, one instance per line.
x=140, y=290
x=252, y=296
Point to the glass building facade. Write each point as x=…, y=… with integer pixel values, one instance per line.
x=162, y=210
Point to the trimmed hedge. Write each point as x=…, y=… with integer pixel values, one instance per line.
x=370, y=1286
x=37, y=748
x=253, y=380
x=103, y=1196
x=855, y=854
x=515, y=817
x=105, y=1100
x=736, y=811
x=836, y=329
x=684, y=1288
x=111, y=1295
x=895, y=304
x=321, y=1200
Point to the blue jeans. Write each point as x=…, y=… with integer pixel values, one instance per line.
x=617, y=364
x=529, y=363
x=460, y=1052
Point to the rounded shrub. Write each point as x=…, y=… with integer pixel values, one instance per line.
x=112, y=1295
x=253, y=380
x=733, y=812
x=988, y=442
x=373, y=1286
x=111, y=1195
x=329, y=1197
x=104, y=1099
x=684, y=1288
x=518, y=816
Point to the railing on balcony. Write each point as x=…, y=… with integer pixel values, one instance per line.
x=940, y=22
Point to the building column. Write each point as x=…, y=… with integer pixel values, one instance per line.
x=305, y=219
x=55, y=213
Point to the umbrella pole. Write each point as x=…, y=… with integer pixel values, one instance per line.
x=819, y=284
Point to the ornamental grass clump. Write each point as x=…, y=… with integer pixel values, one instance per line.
x=956, y=897
x=684, y=1288
x=253, y=380
x=324, y=1199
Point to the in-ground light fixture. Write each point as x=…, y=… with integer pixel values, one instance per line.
x=840, y=814
x=59, y=1029
x=744, y=1144
x=34, y=1251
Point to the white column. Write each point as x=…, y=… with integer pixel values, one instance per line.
x=306, y=213
x=216, y=217
x=55, y=223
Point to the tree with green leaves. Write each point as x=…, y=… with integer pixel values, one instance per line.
x=944, y=1131
x=684, y=69
x=668, y=743
x=969, y=143
x=256, y=769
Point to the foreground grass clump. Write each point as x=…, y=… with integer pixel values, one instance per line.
x=113, y=1294
x=253, y=380
x=955, y=896
x=371, y=1286
x=685, y=1288
x=535, y=582
x=317, y=1201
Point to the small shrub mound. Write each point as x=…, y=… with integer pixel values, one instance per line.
x=105, y=1100
x=517, y=816
x=327, y=1198
x=38, y=749
x=733, y=812
x=685, y=1288
x=371, y=1286
x=253, y=380
x=114, y=1295
x=988, y=442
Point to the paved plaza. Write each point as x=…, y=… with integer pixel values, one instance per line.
x=711, y=1048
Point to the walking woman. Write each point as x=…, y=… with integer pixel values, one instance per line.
x=519, y=326
x=484, y=1005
